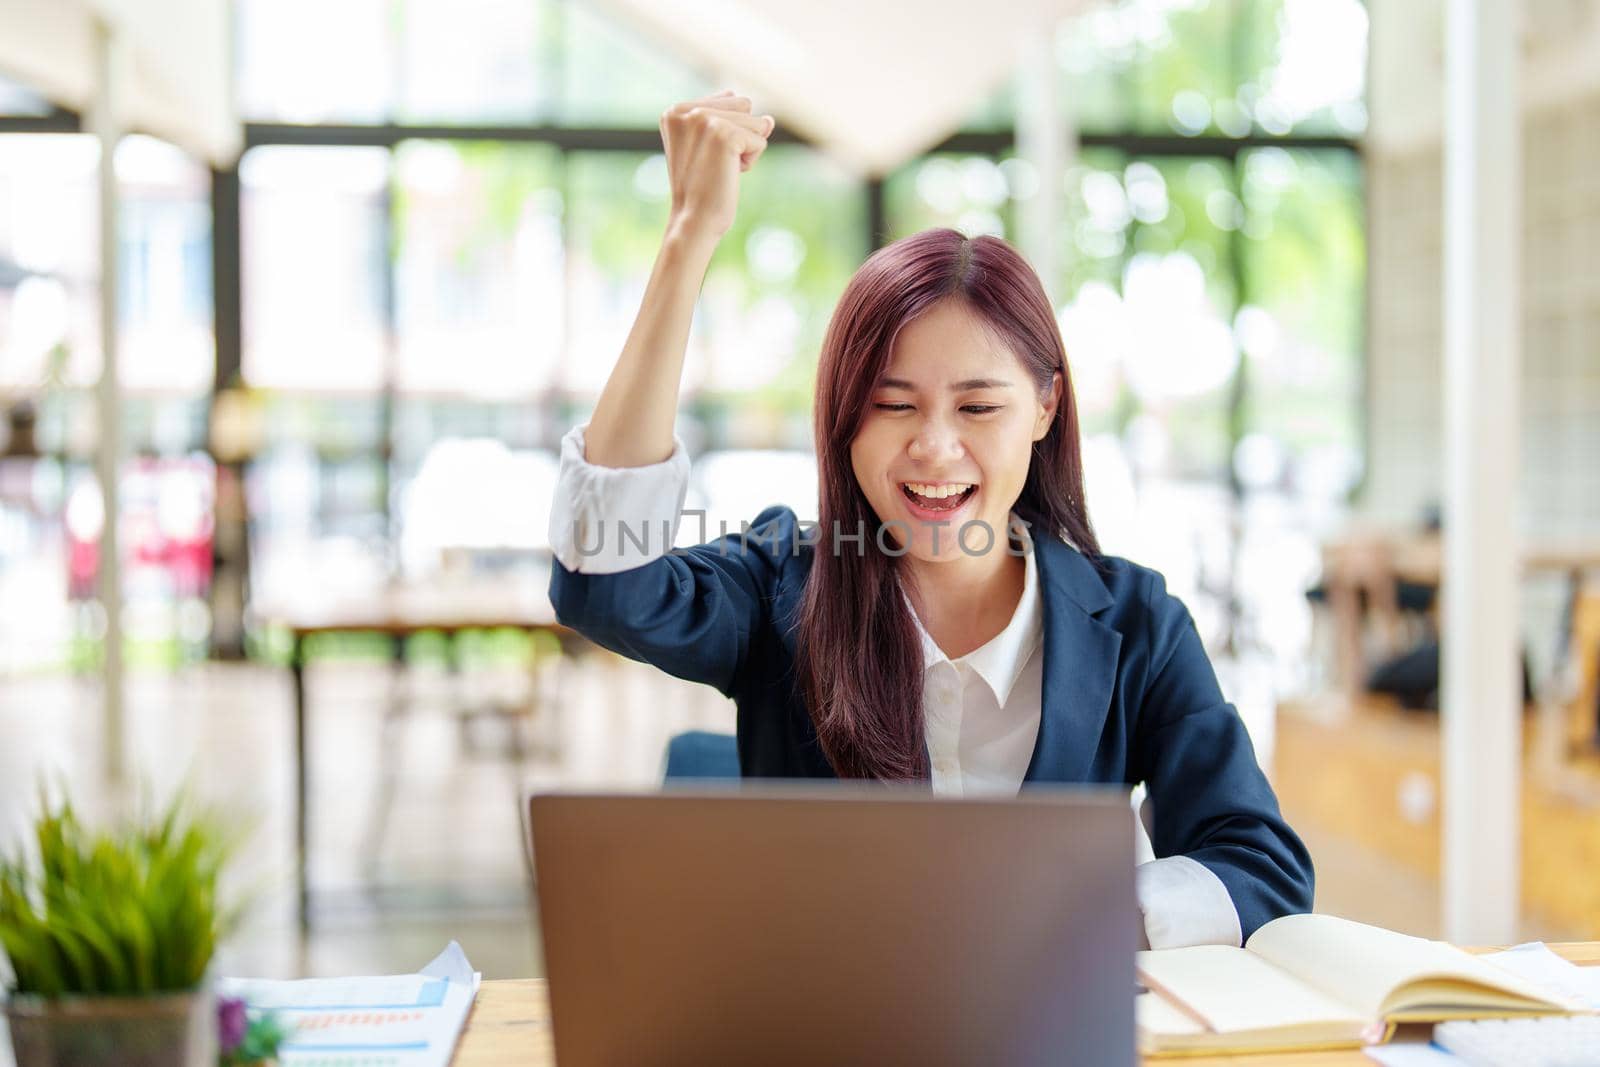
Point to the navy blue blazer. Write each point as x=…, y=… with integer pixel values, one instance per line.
x=1128, y=693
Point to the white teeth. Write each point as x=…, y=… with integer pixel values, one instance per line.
x=938, y=492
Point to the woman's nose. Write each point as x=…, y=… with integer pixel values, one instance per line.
x=935, y=442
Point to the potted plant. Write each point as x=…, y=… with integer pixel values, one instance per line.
x=109, y=935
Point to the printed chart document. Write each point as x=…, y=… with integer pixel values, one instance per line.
x=1317, y=981
x=402, y=1020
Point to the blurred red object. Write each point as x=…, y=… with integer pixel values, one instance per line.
x=168, y=520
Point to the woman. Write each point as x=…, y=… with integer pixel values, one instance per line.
x=950, y=616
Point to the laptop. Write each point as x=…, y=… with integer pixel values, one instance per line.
x=787, y=925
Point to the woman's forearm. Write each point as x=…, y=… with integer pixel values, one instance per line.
x=708, y=142
x=632, y=423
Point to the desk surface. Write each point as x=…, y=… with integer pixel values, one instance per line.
x=510, y=1027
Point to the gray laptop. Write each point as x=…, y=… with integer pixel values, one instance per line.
x=787, y=925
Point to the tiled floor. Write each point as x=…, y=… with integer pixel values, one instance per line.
x=451, y=863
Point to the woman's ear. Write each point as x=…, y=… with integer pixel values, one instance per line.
x=1047, y=408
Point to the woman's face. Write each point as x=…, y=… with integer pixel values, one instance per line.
x=948, y=434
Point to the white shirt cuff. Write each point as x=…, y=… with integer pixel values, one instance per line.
x=1185, y=903
x=610, y=519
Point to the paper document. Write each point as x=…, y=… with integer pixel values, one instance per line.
x=1535, y=962
x=1420, y=1053
x=402, y=1020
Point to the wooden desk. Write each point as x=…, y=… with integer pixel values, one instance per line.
x=397, y=613
x=510, y=1027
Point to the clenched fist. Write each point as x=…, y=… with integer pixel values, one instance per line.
x=709, y=143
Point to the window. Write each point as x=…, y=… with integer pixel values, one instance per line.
x=479, y=268
x=1221, y=67
x=315, y=266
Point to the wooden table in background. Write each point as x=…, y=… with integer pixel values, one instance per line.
x=510, y=1027
x=1361, y=571
x=396, y=613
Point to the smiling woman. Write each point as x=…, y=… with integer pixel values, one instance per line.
x=942, y=369
x=949, y=616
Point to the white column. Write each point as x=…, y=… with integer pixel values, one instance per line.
x=1046, y=140
x=1481, y=697
x=105, y=123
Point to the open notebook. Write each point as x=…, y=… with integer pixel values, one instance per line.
x=1317, y=981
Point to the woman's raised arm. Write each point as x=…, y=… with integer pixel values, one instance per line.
x=709, y=142
x=691, y=614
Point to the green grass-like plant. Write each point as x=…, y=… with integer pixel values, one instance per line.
x=129, y=911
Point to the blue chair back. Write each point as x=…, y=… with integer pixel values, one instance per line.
x=702, y=754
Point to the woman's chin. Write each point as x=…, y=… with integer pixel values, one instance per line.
x=924, y=553
x=968, y=541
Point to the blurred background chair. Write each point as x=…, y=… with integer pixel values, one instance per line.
x=702, y=754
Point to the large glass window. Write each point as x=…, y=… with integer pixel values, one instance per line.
x=1301, y=327
x=315, y=265
x=767, y=298
x=50, y=359
x=418, y=304
x=318, y=358
x=307, y=61
x=972, y=193
x=479, y=268
x=477, y=61
x=610, y=76
x=1212, y=283
x=49, y=259
x=1218, y=67
x=618, y=210
x=773, y=285
x=165, y=236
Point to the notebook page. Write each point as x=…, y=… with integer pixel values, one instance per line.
x=1156, y=1014
x=1362, y=965
x=1234, y=990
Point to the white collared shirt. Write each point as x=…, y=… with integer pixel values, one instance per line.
x=981, y=710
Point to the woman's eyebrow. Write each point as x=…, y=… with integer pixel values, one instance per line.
x=955, y=387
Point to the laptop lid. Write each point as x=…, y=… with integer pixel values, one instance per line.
x=789, y=925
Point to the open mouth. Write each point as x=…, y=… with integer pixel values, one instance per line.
x=949, y=496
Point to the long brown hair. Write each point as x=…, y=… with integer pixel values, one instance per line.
x=859, y=657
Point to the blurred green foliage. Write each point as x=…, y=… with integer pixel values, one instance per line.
x=121, y=912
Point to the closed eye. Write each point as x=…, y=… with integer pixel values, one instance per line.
x=970, y=409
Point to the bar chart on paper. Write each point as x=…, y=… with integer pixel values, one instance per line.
x=410, y=1020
